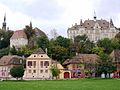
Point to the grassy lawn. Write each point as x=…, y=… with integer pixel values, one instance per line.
x=82, y=84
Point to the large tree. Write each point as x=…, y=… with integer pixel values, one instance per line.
x=5, y=38
x=43, y=42
x=105, y=64
x=83, y=44
x=17, y=72
x=106, y=44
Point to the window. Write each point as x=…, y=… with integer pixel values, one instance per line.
x=34, y=55
x=46, y=71
x=41, y=55
x=41, y=64
x=29, y=63
x=41, y=71
x=34, y=71
x=46, y=64
x=29, y=71
x=34, y=64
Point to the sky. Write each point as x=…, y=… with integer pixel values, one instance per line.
x=56, y=14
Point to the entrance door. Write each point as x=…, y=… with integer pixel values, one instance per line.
x=66, y=75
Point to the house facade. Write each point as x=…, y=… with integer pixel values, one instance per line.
x=6, y=63
x=81, y=65
x=18, y=39
x=94, y=29
x=38, y=66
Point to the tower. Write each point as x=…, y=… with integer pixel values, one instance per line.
x=95, y=17
x=4, y=23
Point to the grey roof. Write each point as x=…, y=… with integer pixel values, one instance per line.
x=8, y=60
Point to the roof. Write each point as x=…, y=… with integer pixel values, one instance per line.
x=19, y=34
x=90, y=24
x=39, y=32
x=116, y=54
x=8, y=60
x=39, y=51
x=82, y=58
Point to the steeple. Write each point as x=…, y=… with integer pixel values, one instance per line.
x=4, y=23
x=111, y=23
x=81, y=22
x=94, y=17
x=30, y=24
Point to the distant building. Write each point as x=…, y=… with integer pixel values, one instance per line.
x=4, y=23
x=79, y=64
x=18, y=39
x=94, y=29
x=6, y=63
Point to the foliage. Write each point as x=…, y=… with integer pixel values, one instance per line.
x=83, y=44
x=55, y=71
x=13, y=50
x=98, y=50
x=17, y=71
x=106, y=44
x=4, y=51
x=105, y=64
x=63, y=42
x=58, y=53
x=5, y=38
x=43, y=42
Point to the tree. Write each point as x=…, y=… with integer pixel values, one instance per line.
x=106, y=44
x=58, y=53
x=17, y=72
x=43, y=42
x=115, y=43
x=105, y=65
x=13, y=50
x=4, y=51
x=98, y=50
x=5, y=38
x=55, y=71
x=30, y=35
x=62, y=41
x=83, y=44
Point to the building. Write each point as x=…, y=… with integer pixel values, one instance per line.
x=63, y=72
x=18, y=39
x=6, y=63
x=4, y=23
x=81, y=64
x=94, y=29
x=38, y=66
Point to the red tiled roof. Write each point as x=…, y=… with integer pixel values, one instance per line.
x=19, y=34
x=82, y=58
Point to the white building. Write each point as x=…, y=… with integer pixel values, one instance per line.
x=18, y=39
x=94, y=29
x=38, y=66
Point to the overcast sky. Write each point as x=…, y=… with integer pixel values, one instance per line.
x=56, y=14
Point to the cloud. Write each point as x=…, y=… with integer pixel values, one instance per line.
x=58, y=14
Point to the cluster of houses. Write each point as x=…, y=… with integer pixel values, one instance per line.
x=38, y=64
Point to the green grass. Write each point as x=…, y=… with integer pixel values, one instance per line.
x=82, y=84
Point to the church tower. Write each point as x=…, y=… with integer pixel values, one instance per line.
x=4, y=23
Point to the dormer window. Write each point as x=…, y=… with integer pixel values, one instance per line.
x=87, y=23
